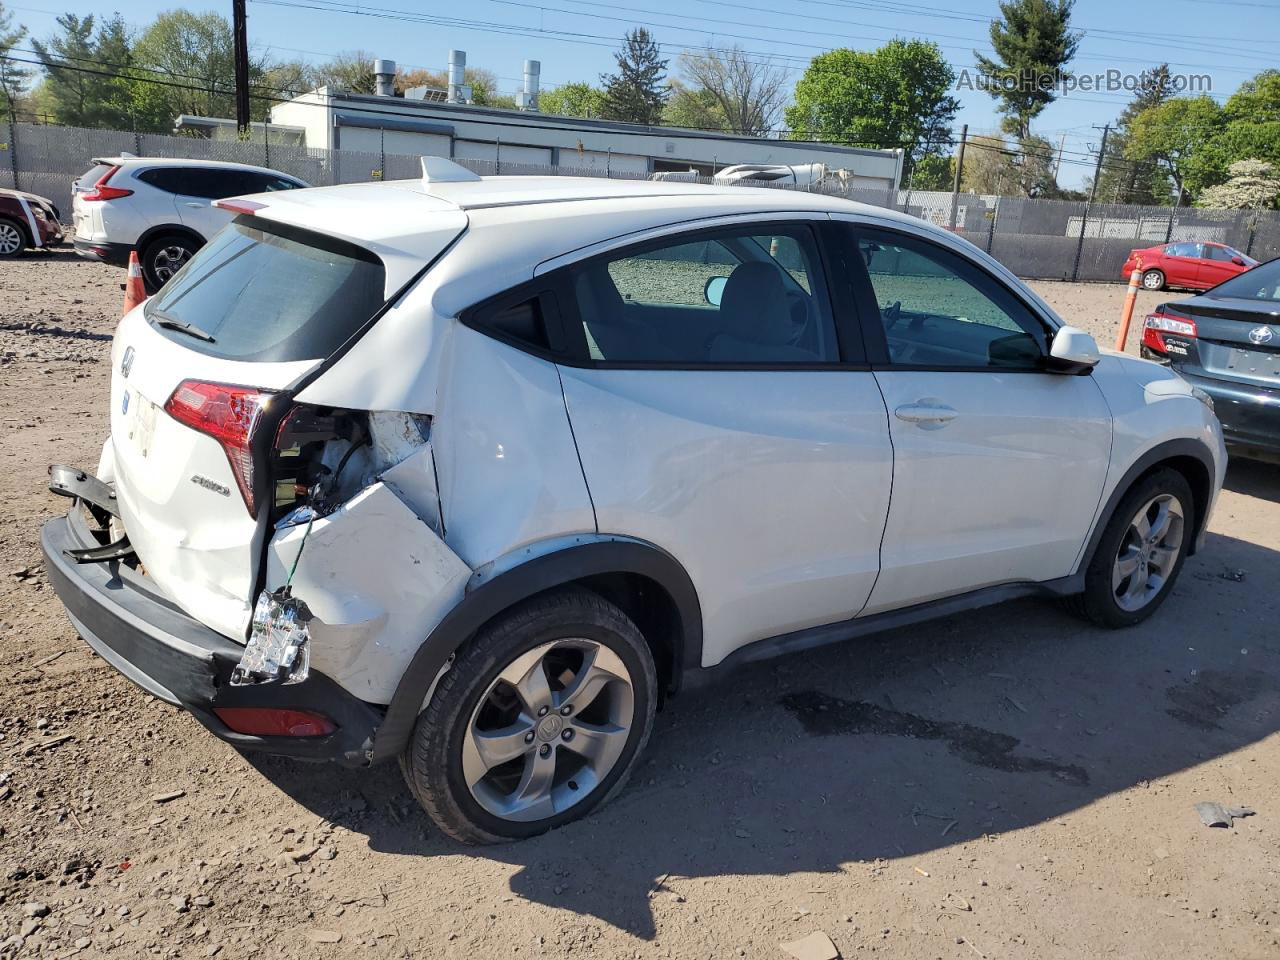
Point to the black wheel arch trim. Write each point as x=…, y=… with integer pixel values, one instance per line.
x=1161, y=452
x=168, y=229
x=491, y=597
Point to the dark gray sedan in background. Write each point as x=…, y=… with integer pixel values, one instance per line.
x=1226, y=341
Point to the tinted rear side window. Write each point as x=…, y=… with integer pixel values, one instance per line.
x=169, y=179
x=265, y=292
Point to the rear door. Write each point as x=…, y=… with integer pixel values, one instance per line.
x=998, y=465
x=1184, y=265
x=196, y=190
x=253, y=311
x=722, y=412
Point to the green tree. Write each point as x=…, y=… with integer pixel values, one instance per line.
x=693, y=107
x=1251, y=129
x=747, y=94
x=933, y=172
x=637, y=92
x=76, y=89
x=895, y=96
x=1033, y=43
x=573, y=100
x=13, y=74
x=1172, y=135
x=1128, y=181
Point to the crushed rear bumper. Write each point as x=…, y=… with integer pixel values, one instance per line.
x=127, y=622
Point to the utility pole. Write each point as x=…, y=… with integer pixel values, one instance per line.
x=1093, y=189
x=955, y=187
x=1097, y=170
x=1057, y=167
x=241, y=40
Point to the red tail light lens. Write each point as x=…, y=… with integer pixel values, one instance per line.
x=229, y=415
x=1158, y=324
x=267, y=722
x=101, y=191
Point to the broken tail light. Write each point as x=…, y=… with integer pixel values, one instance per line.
x=277, y=651
x=1162, y=323
x=229, y=415
x=101, y=191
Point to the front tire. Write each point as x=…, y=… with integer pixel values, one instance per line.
x=13, y=239
x=1153, y=280
x=163, y=257
x=540, y=719
x=1141, y=552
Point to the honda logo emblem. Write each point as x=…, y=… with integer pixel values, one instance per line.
x=1261, y=335
x=126, y=362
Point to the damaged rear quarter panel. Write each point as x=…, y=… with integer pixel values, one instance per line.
x=377, y=579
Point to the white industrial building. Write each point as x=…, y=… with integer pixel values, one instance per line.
x=442, y=123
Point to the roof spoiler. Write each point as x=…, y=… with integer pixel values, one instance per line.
x=444, y=170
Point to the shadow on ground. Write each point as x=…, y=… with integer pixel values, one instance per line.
x=890, y=746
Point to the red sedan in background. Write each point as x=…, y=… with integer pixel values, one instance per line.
x=1190, y=264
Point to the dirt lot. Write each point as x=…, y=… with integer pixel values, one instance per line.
x=1007, y=784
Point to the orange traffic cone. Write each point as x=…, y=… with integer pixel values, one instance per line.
x=134, y=291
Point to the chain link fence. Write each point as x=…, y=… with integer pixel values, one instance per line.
x=1036, y=239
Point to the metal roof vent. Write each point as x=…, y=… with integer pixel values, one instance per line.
x=444, y=170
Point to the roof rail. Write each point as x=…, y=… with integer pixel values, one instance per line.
x=444, y=170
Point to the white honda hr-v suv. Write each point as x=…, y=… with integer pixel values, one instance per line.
x=473, y=472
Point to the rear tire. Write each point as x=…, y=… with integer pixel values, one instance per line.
x=1153, y=280
x=13, y=238
x=163, y=257
x=1140, y=554
x=539, y=720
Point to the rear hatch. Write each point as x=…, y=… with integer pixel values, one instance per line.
x=198, y=380
x=82, y=212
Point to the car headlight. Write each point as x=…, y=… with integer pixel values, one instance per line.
x=39, y=213
x=1202, y=397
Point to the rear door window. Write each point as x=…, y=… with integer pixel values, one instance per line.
x=751, y=295
x=266, y=292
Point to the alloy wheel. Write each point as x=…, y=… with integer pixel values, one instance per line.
x=1152, y=280
x=10, y=240
x=548, y=730
x=168, y=260
x=1148, y=552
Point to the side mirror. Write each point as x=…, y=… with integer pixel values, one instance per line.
x=1238, y=261
x=714, y=290
x=1073, y=351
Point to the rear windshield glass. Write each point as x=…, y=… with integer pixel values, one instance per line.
x=1257, y=283
x=92, y=176
x=269, y=293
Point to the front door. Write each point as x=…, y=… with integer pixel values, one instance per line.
x=717, y=417
x=998, y=465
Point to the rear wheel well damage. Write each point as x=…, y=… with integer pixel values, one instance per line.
x=647, y=583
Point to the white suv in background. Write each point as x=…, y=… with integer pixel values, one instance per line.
x=162, y=208
x=472, y=472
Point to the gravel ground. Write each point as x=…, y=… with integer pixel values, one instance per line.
x=1008, y=783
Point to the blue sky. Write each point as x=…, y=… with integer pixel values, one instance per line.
x=1230, y=40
